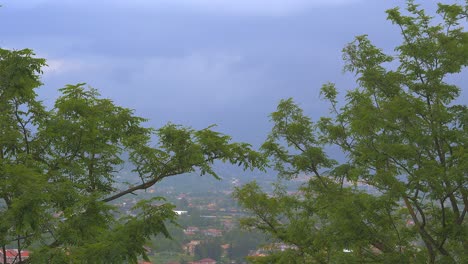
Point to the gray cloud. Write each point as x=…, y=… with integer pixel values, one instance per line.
x=238, y=7
x=190, y=62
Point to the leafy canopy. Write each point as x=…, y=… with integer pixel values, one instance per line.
x=58, y=169
x=400, y=193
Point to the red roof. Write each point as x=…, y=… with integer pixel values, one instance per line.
x=11, y=253
x=206, y=260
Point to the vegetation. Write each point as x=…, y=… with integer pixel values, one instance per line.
x=58, y=169
x=400, y=194
x=209, y=249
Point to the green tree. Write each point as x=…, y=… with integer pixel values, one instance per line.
x=242, y=242
x=58, y=169
x=400, y=195
x=209, y=249
x=171, y=244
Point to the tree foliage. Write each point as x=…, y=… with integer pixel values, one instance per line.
x=209, y=249
x=58, y=168
x=400, y=194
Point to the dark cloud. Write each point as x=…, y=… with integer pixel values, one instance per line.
x=187, y=62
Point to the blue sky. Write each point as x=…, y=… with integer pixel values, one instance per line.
x=198, y=62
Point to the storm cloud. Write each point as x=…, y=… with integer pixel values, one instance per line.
x=198, y=62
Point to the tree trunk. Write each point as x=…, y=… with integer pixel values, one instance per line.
x=4, y=254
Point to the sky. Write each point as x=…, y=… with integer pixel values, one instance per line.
x=199, y=62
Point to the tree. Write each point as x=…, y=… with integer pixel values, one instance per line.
x=400, y=195
x=58, y=169
x=241, y=243
x=209, y=249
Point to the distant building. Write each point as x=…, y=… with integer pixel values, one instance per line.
x=12, y=256
x=225, y=248
x=409, y=222
x=228, y=224
x=212, y=232
x=191, y=230
x=268, y=249
x=148, y=250
x=181, y=196
x=204, y=261
x=190, y=247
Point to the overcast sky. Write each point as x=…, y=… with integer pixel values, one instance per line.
x=198, y=62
